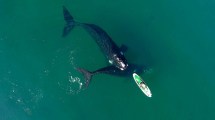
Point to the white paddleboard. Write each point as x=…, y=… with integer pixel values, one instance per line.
x=142, y=85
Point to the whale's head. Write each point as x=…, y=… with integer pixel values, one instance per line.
x=119, y=61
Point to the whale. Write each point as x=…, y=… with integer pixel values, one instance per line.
x=118, y=64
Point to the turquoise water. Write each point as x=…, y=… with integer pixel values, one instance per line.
x=174, y=38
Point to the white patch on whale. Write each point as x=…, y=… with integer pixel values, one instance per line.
x=121, y=53
x=111, y=61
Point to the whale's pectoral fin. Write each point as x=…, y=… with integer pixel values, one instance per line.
x=70, y=23
x=123, y=48
x=67, y=16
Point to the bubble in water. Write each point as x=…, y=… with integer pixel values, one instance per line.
x=71, y=58
x=25, y=98
x=73, y=86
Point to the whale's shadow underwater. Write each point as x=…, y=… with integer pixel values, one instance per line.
x=114, y=54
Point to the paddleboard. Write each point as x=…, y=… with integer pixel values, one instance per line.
x=142, y=85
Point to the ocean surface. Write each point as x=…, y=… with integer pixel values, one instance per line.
x=175, y=39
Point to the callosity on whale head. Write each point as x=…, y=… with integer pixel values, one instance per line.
x=120, y=61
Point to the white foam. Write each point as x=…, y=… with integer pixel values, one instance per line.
x=73, y=86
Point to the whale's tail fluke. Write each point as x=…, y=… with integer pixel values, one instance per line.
x=87, y=75
x=70, y=23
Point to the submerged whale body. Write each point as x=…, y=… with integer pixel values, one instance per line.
x=114, y=54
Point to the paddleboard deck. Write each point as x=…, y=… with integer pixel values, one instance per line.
x=142, y=85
